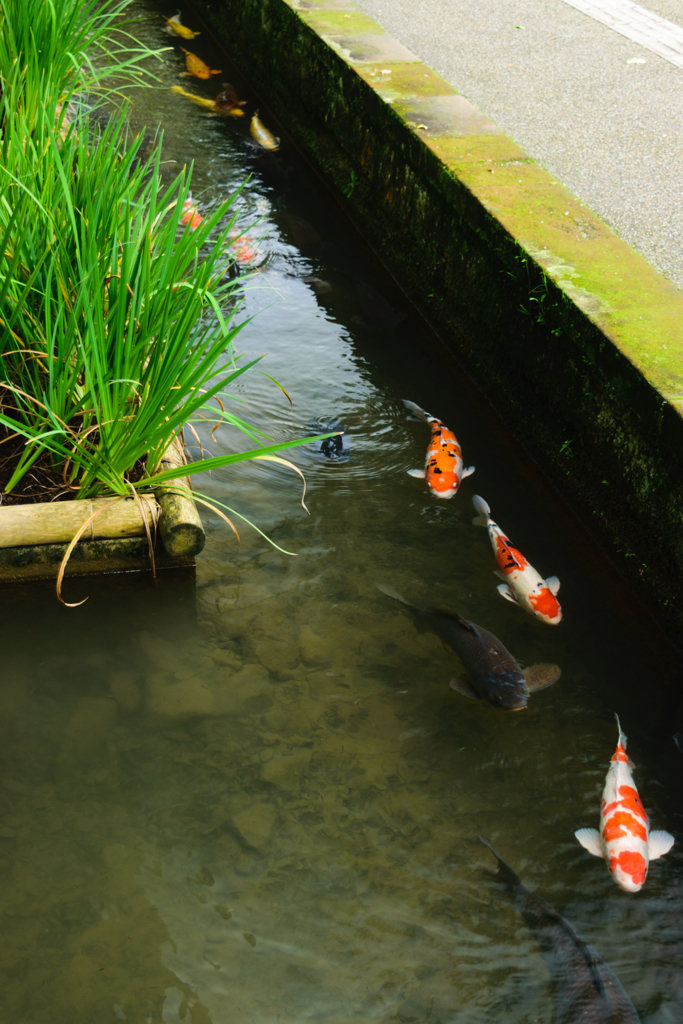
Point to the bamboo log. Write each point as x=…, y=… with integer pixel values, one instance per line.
x=58, y=522
x=180, y=527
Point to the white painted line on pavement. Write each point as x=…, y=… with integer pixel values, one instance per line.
x=637, y=23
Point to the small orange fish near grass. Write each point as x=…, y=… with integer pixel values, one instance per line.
x=174, y=27
x=241, y=247
x=196, y=68
x=190, y=216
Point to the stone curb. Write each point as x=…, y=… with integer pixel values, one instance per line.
x=572, y=334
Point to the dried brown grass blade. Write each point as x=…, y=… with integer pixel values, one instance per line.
x=72, y=545
x=221, y=514
x=285, y=462
x=142, y=505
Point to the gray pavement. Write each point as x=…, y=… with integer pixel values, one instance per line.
x=560, y=83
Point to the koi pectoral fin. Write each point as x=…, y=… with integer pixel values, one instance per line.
x=504, y=591
x=553, y=584
x=419, y=474
x=467, y=472
x=463, y=687
x=538, y=677
x=590, y=840
x=659, y=843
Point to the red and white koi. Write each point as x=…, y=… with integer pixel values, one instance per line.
x=624, y=839
x=241, y=246
x=443, y=470
x=523, y=585
x=190, y=215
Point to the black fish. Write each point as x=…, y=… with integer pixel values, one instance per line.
x=584, y=989
x=496, y=676
x=337, y=448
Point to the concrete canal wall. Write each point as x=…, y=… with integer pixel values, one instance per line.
x=573, y=336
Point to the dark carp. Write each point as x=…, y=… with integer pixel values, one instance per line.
x=334, y=449
x=584, y=989
x=496, y=677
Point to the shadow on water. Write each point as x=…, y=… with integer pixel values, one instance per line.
x=258, y=798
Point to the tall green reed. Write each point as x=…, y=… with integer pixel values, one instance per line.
x=116, y=323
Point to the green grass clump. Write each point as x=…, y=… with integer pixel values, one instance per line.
x=113, y=325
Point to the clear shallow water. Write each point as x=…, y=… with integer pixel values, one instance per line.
x=256, y=798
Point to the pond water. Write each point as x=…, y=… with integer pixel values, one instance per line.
x=255, y=798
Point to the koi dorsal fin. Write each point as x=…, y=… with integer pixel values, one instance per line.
x=465, y=623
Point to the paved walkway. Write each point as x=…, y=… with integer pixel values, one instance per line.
x=601, y=112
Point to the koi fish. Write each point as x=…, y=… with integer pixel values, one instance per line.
x=228, y=100
x=196, y=68
x=523, y=585
x=190, y=215
x=242, y=247
x=443, y=466
x=495, y=674
x=624, y=839
x=584, y=988
x=261, y=135
x=206, y=104
x=175, y=28
x=336, y=448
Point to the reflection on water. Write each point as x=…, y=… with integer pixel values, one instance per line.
x=267, y=809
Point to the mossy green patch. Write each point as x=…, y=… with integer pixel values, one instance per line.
x=406, y=80
x=327, y=23
x=634, y=305
x=478, y=149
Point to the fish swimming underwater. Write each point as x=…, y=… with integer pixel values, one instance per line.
x=229, y=101
x=443, y=470
x=495, y=675
x=261, y=135
x=190, y=215
x=523, y=585
x=196, y=68
x=334, y=449
x=201, y=101
x=584, y=989
x=624, y=839
x=175, y=28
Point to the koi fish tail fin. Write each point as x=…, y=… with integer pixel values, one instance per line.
x=659, y=843
x=390, y=592
x=622, y=737
x=503, y=872
x=417, y=412
x=480, y=506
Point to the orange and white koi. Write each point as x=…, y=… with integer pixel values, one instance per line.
x=175, y=28
x=523, y=585
x=624, y=839
x=443, y=470
x=196, y=67
x=190, y=215
x=242, y=247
